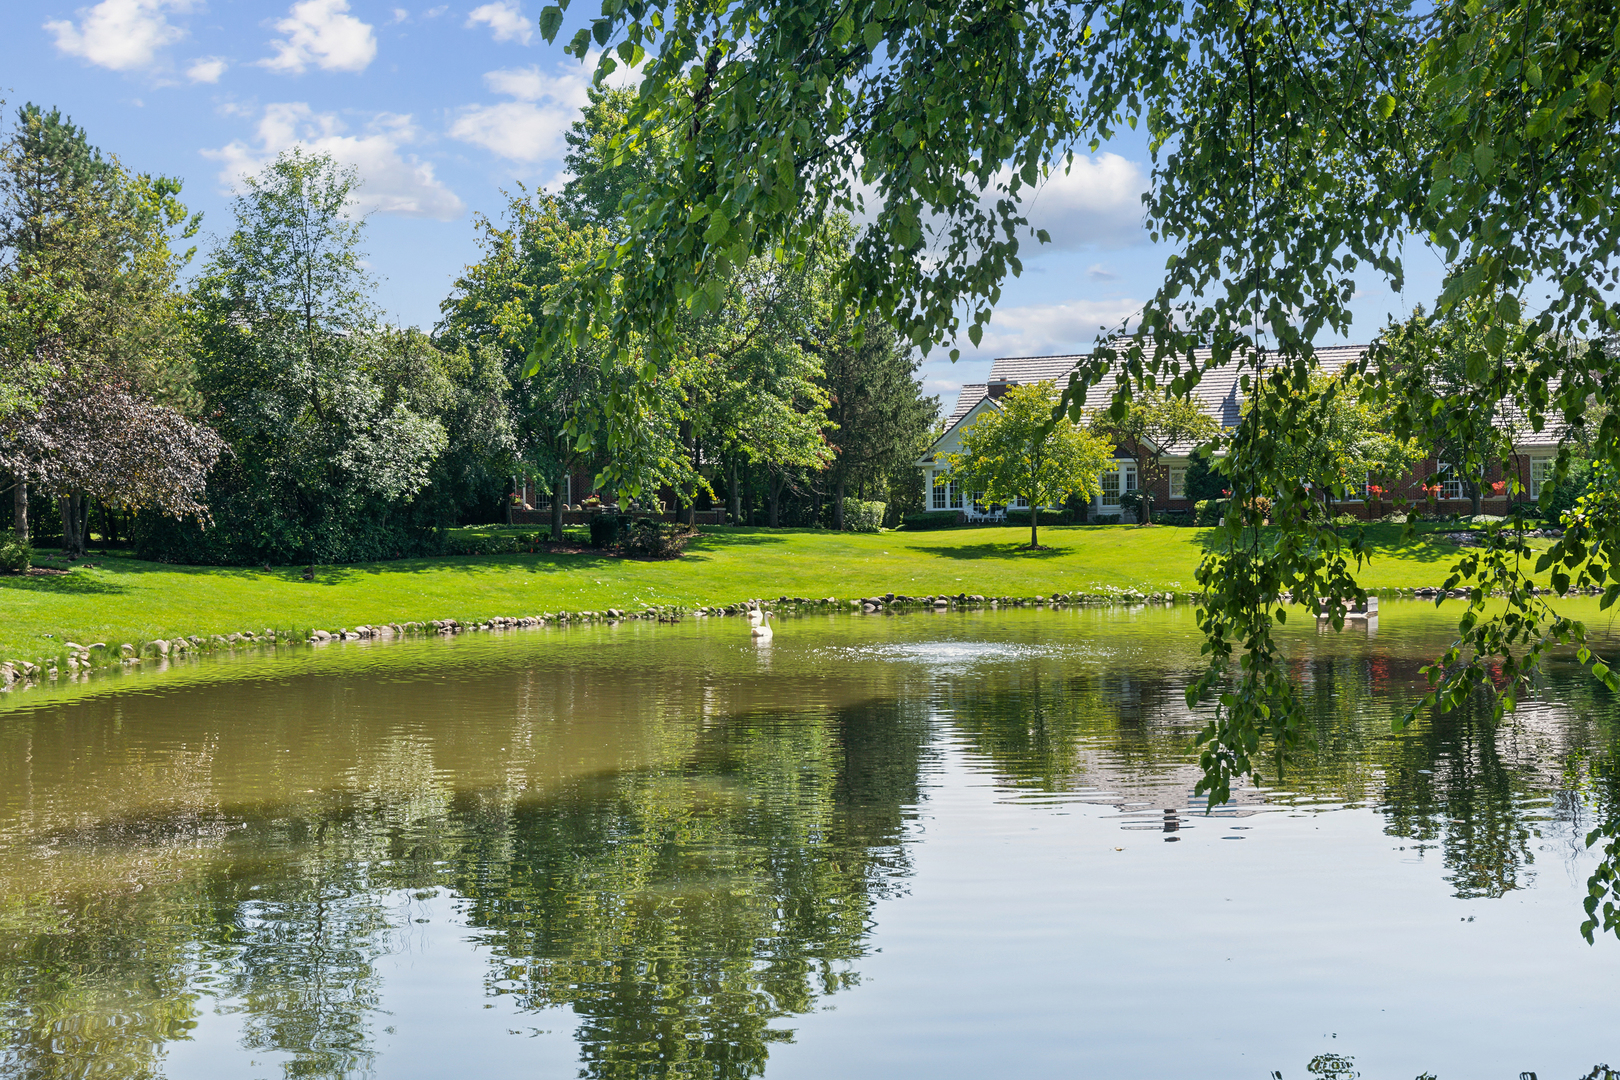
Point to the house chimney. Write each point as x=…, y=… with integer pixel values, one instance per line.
x=996, y=387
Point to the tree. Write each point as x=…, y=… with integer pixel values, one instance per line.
x=1345, y=442
x=1019, y=451
x=289, y=361
x=90, y=324
x=599, y=179
x=875, y=402
x=1151, y=426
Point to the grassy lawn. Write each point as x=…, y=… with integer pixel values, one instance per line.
x=122, y=599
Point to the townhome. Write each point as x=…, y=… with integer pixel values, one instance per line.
x=1220, y=395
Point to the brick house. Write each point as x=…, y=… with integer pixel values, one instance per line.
x=1219, y=394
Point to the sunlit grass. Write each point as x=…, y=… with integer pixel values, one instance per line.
x=123, y=599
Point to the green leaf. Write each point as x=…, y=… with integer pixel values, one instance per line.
x=975, y=334
x=872, y=34
x=1386, y=106
x=551, y=19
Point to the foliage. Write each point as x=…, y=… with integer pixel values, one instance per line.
x=16, y=555
x=1149, y=428
x=880, y=417
x=655, y=539
x=1203, y=481
x=321, y=404
x=933, y=519
x=862, y=516
x=1019, y=450
x=1208, y=512
x=605, y=529
x=1048, y=517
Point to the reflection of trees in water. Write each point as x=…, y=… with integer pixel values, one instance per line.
x=680, y=916
x=680, y=911
x=1478, y=792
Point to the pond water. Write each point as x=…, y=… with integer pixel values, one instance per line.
x=933, y=846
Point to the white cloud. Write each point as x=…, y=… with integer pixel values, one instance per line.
x=120, y=34
x=505, y=20
x=206, y=69
x=320, y=32
x=530, y=128
x=1099, y=272
x=400, y=15
x=392, y=183
x=1097, y=203
x=1051, y=329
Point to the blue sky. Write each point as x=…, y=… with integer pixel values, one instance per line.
x=442, y=107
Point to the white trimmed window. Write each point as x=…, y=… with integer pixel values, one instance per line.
x=941, y=492
x=956, y=496
x=1451, y=486
x=1178, y=481
x=1110, y=488
x=1541, y=472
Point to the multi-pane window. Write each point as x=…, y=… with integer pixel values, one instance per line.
x=1110, y=488
x=1178, y=481
x=941, y=492
x=1020, y=503
x=978, y=502
x=1541, y=471
x=956, y=496
x=1451, y=486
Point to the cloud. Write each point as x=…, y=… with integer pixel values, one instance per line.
x=392, y=183
x=206, y=69
x=1097, y=203
x=1099, y=272
x=530, y=128
x=120, y=34
x=505, y=20
x=1051, y=329
x=320, y=32
x=400, y=15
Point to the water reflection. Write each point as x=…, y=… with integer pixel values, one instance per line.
x=677, y=842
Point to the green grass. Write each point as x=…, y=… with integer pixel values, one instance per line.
x=126, y=600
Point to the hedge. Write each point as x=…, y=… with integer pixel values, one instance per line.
x=1048, y=517
x=936, y=519
x=862, y=516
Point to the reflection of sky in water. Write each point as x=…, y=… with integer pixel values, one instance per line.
x=936, y=846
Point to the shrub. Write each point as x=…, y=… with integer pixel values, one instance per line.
x=605, y=530
x=1209, y=511
x=15, y=554
x=937, y=519
x=861, y=516
x=1108, y=519
x=1048, y=517
x=657, y=539
x=493, y=543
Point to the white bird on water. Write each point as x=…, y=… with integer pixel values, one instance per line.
x=761, y=628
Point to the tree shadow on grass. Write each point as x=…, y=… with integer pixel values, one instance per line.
x=62, y=585
x=999, y=551
x=1383, y=541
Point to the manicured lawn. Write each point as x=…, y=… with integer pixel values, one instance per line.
x=123, y=600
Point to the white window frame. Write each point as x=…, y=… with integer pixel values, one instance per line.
x=1114, y=475
x=955, y=499
x=1178, y=482
x=1541, y=469
x=1447, y=487
x=941, y=492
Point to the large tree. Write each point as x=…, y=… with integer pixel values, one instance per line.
x=1018, y=451
x=876, y=404
x=293, y=359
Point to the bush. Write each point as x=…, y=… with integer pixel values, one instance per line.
x=493, y=543
x=1108, y=519
x=650, y=537
x=937, y=519
x=1209, y=511
x=605, y=530
x=1048, y=517
x=861, y=516
x=15, y=554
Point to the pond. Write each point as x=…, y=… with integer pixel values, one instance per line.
x=957, y=845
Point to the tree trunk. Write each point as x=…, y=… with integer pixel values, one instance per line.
x=557, y=508
x=773, y=496
x=1034, y=525
x=838, y=506
x=70, y=507
x=511, y=502
x=1475, y=494
x=736, y=494
x=19, y=509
